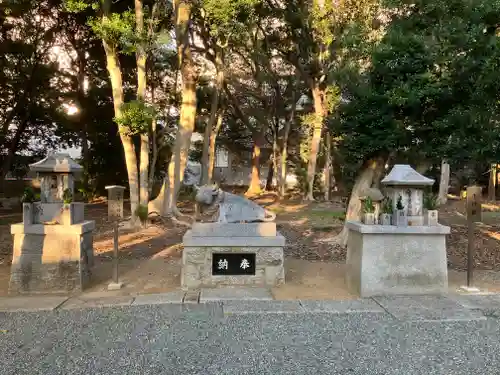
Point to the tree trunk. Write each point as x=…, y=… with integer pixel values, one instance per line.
x=85, y=157
x=422, y=167
x=492, y=183
x=444, y=182
x=14, y=144
x=115, y=75
x=140, y=58
x=214, y=107
x=144, y=170
x=284, y=149
x=154, y=144
x=270, y=175
x=211, y=151
x=369, y=171
x=336, y=171
x=315, y=140
x=328, y=165
x=275, y=157
x=187, y=118
x=254, y=187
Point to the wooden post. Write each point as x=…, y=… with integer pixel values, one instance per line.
x=115, y=252
x=474, y=195
x=492, y=183
x=115, y=213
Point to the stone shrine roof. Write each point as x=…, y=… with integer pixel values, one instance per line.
x=405, y=175
x=56, y=163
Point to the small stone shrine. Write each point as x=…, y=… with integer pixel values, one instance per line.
x=391, y=259
x=405, y=182
x=53, y=246
x=239, y=246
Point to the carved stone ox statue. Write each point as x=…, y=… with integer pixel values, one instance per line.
x=231, y=208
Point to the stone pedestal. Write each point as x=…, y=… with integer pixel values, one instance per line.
x=51, y=258
x=255, y=239
x=385, y=260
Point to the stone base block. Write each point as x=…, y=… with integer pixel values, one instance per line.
x=51, y=259
x=384, y=260
x=197, y=261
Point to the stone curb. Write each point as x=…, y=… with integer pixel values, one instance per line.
x=31, y=304
x=257, y=301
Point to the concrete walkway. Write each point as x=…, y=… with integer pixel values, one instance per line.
x=227, y=332
x=447, y=307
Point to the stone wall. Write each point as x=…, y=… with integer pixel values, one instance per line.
x=396, y=260
x=197, y=266
x=51, y=262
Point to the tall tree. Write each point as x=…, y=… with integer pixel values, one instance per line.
x=313, y=36
x=123, y=31
x=31, y=83
x=421, y=91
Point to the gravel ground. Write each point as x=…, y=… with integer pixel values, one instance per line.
x=201, y=340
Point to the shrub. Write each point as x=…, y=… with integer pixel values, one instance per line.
x=28, y=196
x=430, y=201
x=399, y=204
x=387, y=206
x=368, y=207
x=142, y=213
x=67, y=196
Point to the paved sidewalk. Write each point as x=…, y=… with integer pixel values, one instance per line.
x=190, y=335
x=451, y=307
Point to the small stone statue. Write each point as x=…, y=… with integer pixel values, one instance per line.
x=231, y=208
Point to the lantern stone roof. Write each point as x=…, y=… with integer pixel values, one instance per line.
x=405, y=175
x=56, y=163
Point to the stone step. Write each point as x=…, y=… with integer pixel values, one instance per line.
x=235, y=294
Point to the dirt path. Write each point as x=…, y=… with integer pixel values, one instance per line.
x=150, y=259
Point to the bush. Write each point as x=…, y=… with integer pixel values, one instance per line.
x=142, y=213
x=28, y=196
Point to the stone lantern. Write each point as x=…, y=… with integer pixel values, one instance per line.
x=391, y=259
x=405, y=182
x=56, y=174
x=53, y=246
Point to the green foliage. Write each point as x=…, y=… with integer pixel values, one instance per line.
x=88, y=193
x=196, y=152
x=430, y=201
x=67, y=196
x=302, y=182
x=387, y=206
x=136, y=117
x=368, y=207
x=32, y=86
x=142, y=213
x=228, y=17
x=28, y=196
x=76, y=6
x=332, y=97
x=399, y=203
x=118, y=29
x=431, y=86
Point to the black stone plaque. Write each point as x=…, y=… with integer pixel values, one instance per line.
x=233, y=264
